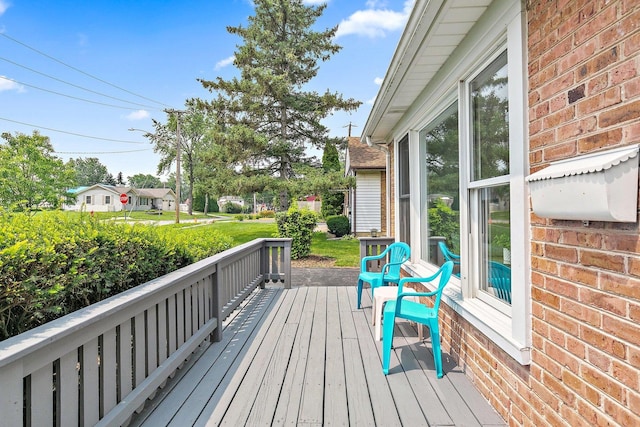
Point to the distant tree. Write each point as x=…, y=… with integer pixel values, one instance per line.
x=266, y=116
x=90, y=171
x=141, y=180
x=195, y=124
x=30, y=175
x=109, y=179
x=332, y=199
x=120, y=179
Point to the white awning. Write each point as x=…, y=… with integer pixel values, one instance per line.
x=594, y=162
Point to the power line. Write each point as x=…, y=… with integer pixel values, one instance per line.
x=73, y=133
x=70, y=96
x=101, y=152
x=80, y=71
x=73, y=85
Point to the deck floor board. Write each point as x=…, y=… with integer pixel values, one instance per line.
x=307, y=357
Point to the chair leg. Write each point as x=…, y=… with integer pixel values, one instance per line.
x=387, y=339
x=359, y=292
x=435, y=346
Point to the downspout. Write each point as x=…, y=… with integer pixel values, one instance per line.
x=387, y=156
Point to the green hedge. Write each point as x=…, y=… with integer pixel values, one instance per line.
x=52, y=264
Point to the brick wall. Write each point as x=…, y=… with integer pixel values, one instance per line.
x=584, y=96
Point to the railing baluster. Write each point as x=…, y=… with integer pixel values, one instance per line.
x=125, y=366
x=162, y=332
x=42, y=396
x=67, y=387
x=140, y=349
x=108, y=372
x=172, y=322
x=90, y=392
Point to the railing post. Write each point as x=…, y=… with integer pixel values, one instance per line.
x=216, y=309
x=287, y=264
x=374, y=246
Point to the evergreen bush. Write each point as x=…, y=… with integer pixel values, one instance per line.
x=338, y=225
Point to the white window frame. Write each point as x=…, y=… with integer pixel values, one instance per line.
x=508, y=327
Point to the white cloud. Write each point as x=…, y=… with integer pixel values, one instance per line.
x=314, y=2
x=223, y=63
x=138, y=115
x=4, y=6
x=375, y=21
x=6, y=84
x=378, y=80
x=372, y=100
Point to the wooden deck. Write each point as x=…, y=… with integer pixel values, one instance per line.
x=306, y=356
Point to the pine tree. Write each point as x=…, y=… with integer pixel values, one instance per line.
x=266, y=114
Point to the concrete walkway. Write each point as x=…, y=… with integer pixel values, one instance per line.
x=324, y=276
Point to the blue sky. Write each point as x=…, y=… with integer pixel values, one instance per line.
x=84, y=72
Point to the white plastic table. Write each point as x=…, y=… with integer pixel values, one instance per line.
x=381, y=295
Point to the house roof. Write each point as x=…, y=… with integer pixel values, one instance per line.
x=361, y=156
x=433, y=31
x=155, y=193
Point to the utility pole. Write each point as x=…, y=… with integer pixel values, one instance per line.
x=177, y=115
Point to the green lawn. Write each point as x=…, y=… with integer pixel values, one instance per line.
x=346, y=252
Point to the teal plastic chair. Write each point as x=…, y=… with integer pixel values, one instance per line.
x=416, y=312
x=500, y=279
x=398, y=253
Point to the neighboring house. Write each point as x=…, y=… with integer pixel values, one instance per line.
x=106, y=198
x=478, y=97
x=366, y=205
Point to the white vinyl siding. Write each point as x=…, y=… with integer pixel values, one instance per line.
x=367, y=206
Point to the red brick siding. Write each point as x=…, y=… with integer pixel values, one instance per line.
x=584, y=96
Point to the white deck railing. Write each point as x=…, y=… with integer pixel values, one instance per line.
x=99, y=364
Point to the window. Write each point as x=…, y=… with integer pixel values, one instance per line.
x=489, y=188
x=404, y=191
x=439, y=143
x=471, y=134
x=107, y=200
x=144, y=201
x=87, y=200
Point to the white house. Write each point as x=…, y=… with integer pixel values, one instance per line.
x=366, y=205
x=106, y=198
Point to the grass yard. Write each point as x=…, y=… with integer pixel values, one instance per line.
x=345, y=252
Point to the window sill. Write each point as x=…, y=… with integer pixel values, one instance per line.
x=490, y=321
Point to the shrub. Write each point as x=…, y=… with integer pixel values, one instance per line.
x=52, y=264
x=444, y=221
x=232, y=208
x=267, y=214
x=298, y=225
x=238, y=217
x=338, y=225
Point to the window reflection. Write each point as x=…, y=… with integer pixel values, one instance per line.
x=490, y=108
x=442, y=199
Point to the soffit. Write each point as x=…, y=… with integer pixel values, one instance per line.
x=434, y=30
